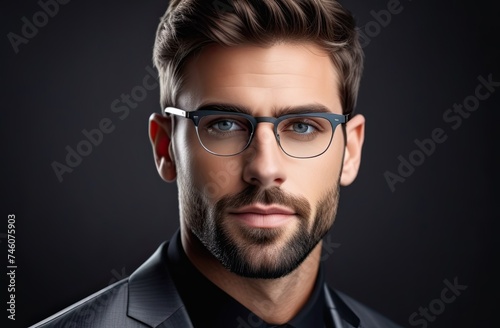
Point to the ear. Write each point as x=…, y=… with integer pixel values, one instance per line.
x=355, y=134
x=160, y=133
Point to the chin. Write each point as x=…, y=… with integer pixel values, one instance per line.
x=268, y=253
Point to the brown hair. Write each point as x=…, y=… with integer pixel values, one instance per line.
x=188, y=25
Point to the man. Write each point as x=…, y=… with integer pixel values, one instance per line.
x=259, y=133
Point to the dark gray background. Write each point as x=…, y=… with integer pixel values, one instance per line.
x=393, y=249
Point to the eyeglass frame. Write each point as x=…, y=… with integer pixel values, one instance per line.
x=197, y=115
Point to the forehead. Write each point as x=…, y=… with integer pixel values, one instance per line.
x=261, y=78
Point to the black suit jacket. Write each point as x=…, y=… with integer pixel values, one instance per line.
x=149, y=298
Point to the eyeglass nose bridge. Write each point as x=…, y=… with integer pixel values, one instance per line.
x=265, y=119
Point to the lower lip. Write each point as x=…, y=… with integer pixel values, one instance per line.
x=263, y=220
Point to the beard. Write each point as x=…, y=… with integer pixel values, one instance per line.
x=265, y=253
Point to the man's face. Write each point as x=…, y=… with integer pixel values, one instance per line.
x=261, y=212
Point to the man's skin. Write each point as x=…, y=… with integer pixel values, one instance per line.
x=265, y=81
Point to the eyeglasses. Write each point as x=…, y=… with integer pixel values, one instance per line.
x=225, y=133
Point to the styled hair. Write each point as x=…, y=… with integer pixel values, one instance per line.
x=189, y=25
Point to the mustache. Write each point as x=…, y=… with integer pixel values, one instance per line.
x=273, y=195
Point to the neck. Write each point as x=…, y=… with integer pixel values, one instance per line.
x=275, y=301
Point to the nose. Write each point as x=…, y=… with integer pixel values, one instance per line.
x=264, y=159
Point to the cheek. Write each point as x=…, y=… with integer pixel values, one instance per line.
x=212, y=176
x=320, y=177
x=205, y=169
x=321, y=174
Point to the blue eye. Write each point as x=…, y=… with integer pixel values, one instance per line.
x=224, y=125
x=302, y=128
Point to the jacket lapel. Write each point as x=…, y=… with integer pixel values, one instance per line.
x=152, y=296
x=342, y=315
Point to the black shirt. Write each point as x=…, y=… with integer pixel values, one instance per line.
x=209, y=306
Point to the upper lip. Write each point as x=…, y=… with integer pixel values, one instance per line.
x=264, y=210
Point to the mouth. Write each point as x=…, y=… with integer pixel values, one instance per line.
x=263, y=216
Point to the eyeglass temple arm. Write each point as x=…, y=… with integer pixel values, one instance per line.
x=176, y=111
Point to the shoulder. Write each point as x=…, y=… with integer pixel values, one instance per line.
x=367, y=317
x=105, y=308
x=148, y=298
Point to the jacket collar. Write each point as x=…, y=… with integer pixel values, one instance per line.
x=152, y=296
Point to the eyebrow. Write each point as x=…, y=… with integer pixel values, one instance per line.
x=277, y=111
x=225, y=108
